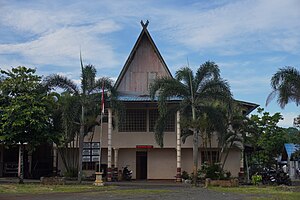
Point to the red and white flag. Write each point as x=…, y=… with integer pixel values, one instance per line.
x=102, y=99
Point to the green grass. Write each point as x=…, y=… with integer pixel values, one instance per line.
x=262, y=193
x=45, y=189
x=42, y=189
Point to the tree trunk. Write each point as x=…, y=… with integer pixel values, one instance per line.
x=211, y=151
x=195, y=156
x=227, y=152
x=81, y=137
x=21, y=164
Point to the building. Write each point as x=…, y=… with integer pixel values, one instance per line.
x=133, y=143
x=289, y=162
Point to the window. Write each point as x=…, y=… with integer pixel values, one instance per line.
x=205, y=156
x=151, y=77
x=135, y=121
x=89, y=165
x=153, y=116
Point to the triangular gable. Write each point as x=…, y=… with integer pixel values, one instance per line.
x=144, y=64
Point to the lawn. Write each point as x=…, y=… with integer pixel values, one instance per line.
x=263, y=192
x=44, y=189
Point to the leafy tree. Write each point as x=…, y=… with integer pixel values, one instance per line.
x=88, y=97
x=196, y=90
x=24, y=108
x=297, y=122
x=265, y=134
x=286, y=85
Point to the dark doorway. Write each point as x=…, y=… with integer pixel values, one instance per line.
x=141, y=165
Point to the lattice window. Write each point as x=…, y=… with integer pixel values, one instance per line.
x=89, y=165
x=205, y=156
x=135, y=121
x=153, y=115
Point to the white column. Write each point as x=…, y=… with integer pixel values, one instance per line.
x=242, y=173
x=116, y=152
x=21, y=163
x=54, y=159
x=178, y=147
x=109, y=156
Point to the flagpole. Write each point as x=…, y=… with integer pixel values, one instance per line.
x=101, y=123
x=100, y=140
x=98, y=180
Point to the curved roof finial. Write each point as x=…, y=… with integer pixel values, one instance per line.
x=144, y=25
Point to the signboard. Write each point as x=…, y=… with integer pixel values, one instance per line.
x=90, y=152
x=95, y=152
x=95, y=158
x=144, y=146
x=86, y=158
x=86, y=152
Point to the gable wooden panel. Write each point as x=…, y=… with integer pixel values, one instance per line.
x=145, y=65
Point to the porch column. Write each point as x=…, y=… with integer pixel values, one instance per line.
x=116, y=155
x=54, y=159
x=241, y=173
x=178, y=147
x=109, y=144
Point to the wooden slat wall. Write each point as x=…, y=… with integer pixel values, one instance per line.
x=144, y=61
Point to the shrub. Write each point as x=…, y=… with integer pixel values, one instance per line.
x=213, y=172
x=72, y=172
x=185, y=175
x=256, y=179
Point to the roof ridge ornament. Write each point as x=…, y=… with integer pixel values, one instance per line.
x=144, y=25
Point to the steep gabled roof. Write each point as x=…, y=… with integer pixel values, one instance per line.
x=144, y=32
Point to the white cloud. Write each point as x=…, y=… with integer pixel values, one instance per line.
x=288, y=119
x=262, y=24
x=61, y=47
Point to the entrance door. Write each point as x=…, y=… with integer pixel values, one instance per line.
x=141, y=165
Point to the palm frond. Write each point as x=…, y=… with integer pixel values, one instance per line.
x=161, y=123
x=206, y=71
x=185, y=76
x=167, y=87
x=215, y=90
x=55, y=80
x=105, y=82
x=185, y=133
x=286, y=85
x=88, y=77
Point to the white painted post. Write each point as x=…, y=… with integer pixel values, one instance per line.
x=109, y=147
x=54, y=159
x=178, y=147
x=115, y=170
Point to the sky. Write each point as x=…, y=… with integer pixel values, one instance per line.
x=248, y=39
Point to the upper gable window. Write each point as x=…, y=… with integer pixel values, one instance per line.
x=150, y=79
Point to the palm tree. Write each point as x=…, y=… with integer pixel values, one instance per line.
x=286, y=85
x=65, y=127
x=195, y=91
x=233, y=135
x=87, y=97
